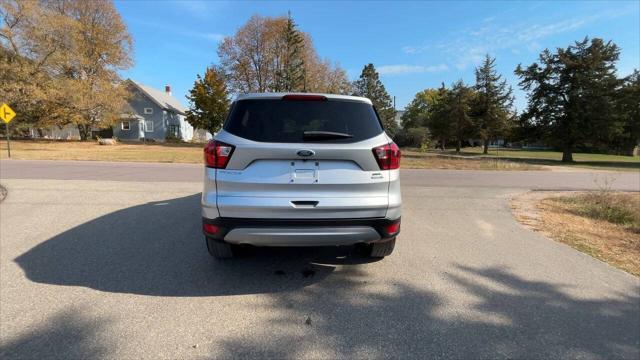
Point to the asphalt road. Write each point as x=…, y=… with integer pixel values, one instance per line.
x=107, y=260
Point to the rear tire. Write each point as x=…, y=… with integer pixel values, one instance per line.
x=382, y=249
x=219, y=249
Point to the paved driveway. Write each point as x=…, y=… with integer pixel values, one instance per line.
x=116, y=267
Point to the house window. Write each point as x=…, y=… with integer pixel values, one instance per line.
x=148, y=110
x=174, y=130
x=148, y=126
x=126, y=125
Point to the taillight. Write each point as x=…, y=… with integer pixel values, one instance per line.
x=217, y=154
x=393, y=228
x=387, y=156
x=210, y=228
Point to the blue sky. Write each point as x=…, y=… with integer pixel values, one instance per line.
x=414, y=45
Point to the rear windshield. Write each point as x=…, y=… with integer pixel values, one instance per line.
x=275, y=120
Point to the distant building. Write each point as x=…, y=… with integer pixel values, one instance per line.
x=152, y=114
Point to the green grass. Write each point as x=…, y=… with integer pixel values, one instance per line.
x=547, y=157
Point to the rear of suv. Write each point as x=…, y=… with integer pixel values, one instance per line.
x=301, y=170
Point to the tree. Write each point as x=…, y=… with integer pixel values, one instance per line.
x=420, y=109
x=492, y=110
x=209, y=101
x=292, y=76
x=628, y=110
x=271, y=54
x=28, y=51
x=370, y=86
x=76, y=49
x=438, y=122
x=572, y=93
x=458, y=107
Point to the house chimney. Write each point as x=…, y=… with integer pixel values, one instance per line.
x=167, y=89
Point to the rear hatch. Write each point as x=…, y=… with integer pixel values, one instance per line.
x=302, y=157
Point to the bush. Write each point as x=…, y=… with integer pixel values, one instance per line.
x=414, y=137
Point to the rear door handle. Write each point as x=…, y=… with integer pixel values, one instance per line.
x=304, y=204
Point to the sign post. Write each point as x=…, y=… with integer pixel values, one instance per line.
x=7, y=114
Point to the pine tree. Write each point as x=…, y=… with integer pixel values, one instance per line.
x=370, y=86
x=458, y=108
x=209, y=101
x=627, y=137
x=492, y=109
x=572, y=94
x=292, y=77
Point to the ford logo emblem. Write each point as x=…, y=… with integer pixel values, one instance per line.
x=305, y=153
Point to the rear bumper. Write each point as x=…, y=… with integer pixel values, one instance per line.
x=299, y=232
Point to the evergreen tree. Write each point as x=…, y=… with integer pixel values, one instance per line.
x=628, y=110
x=458, y=108
x=209, y=101
x=292, y=77
x=492, y=109
x=370, y=86
x=572, y=94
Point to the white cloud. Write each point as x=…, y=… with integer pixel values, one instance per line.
x=468, y=47
x=410, y=69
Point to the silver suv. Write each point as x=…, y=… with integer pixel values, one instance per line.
x=301, y=170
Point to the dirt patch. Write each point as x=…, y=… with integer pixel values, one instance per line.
x=563, y=216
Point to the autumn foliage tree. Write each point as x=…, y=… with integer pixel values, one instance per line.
x=270, y=54
x=63, y=59
x=209, y=101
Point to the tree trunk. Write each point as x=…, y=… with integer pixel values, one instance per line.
x=458, y=146
x=567, y=154
x=485, y=149
x=84, y=131
x=444, y=144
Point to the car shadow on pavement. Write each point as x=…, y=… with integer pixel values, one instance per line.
x=158, y=249
x=506, y=317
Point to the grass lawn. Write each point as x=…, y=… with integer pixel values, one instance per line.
x=603, y=224
x=90, y=150
x=421, y=160
x=547, y=157
x=471, y=159
x=192, y=153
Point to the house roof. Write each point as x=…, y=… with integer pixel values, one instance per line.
x=162, y=99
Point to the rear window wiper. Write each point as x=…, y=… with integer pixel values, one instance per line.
x=324, y=135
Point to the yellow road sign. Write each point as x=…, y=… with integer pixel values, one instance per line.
x=6, y=113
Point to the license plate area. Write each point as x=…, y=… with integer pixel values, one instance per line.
x=304, y=172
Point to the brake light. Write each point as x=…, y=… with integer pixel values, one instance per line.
x=387, y=156
x=217, y=154
x=210, y=228
x=392, y=229
x=299, y=97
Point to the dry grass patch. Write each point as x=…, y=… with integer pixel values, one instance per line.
x=91, y=150
x=418, y=160
x=605, y=225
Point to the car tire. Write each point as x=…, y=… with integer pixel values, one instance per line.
x=219, y=249
x=382, y=249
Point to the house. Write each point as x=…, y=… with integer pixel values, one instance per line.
x=152, y=114
x=149, y=115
